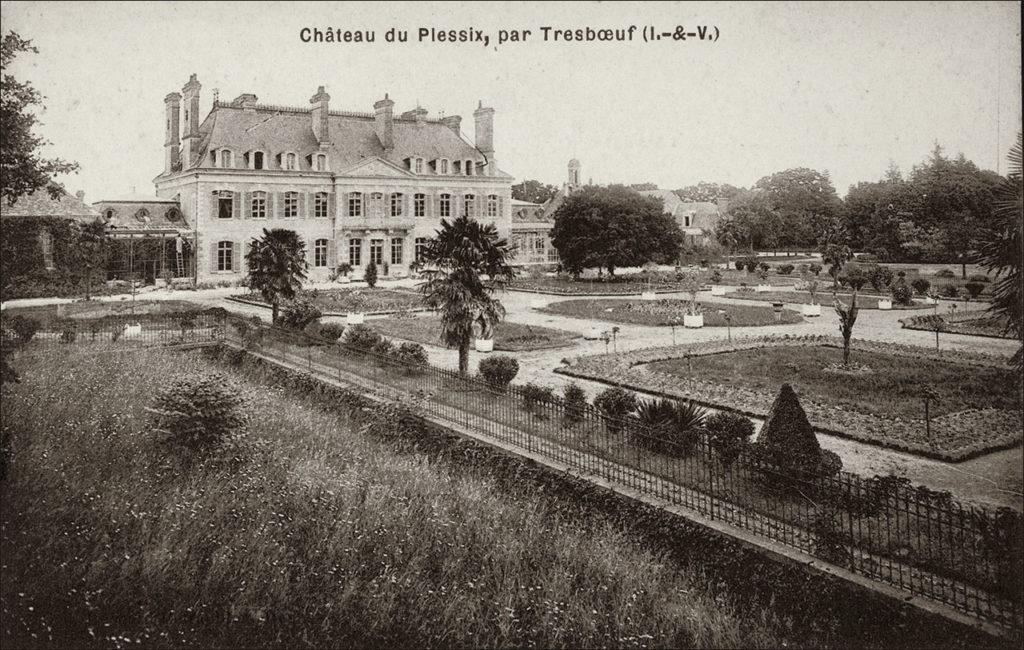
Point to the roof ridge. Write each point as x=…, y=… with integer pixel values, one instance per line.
x=282, y=108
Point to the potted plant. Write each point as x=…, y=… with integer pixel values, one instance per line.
x=693, y=316
x=716, y=278
x=762, y=273
x=354, y=318
x=484, y=342
x=813, y=308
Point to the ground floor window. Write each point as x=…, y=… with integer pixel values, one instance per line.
x=377, y=251
x=320, y=253
x=225, y=256
x=421, y=248
x=396, y=250
x=355, y=252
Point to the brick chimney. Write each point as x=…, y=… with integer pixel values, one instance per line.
x=321, y=109
x=384, y=122
x=190, y=141
x=453, y=122
x=245, y=101
x=172, y=142
x=419, y=114
x=484, y=135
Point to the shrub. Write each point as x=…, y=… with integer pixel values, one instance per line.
x=535, y=396
x=815, y=268
x=68, y=331
x=331, y=331
x=788, y=441
x=199, y=414
x=786, y=269
x=411, y=356
x=945, y=273
x=950, y=291
x=979, y=277
x=739, y=264
x=974, y=289
x=24, y=327
x=921, y=286
x=381, y=350
x=880, y=277
x=298, y=314
x=361, y=338
x=716, y=276
x=728, y=434
x=856, y=278
x=674, y=427
x=750, y=263
x=616, y=404
x=901, y=293
x=575, y=402
x=370, y=276
x=499, y=371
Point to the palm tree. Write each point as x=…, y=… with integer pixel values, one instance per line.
x=454, y=261
x=999, y=250
x=277, y=266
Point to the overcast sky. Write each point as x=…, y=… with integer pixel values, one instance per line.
x=838, y=87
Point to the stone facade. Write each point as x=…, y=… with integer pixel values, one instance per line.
x=355, y=186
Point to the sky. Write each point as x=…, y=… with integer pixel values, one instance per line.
x=839, y=87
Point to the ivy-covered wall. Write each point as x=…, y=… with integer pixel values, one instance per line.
x=23, y=273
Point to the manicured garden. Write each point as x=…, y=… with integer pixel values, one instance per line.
x=343, y=301
x=821, y=297
x=972, y=323
x=670, y=312
x=636, y=283
x=974, y=404
x=508, y=336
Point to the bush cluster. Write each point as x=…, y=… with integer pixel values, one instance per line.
x=298, y=314
x=786, y=269
x=361, y=338
x=499, y=371
x=728, y=434
x=575, y=400
x=24, y=327
x=535, y=397
x=921, y=286
x=617, y=405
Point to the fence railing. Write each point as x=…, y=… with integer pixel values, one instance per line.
x=142, y=329
x=921, y=541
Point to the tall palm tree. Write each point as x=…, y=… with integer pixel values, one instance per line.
x=999, y=250
x=454, y=261
x=277, y=266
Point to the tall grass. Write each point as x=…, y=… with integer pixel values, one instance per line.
x=331, y=538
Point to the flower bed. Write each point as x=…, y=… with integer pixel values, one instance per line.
x=335, y=302
x=508, y=336
x=669, y=312
x=954, y=434
x=971, y=323
x=630, y=284
x=823, y=298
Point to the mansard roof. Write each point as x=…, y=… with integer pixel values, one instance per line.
x=276, y=130
x=136, y=211
x=40, y=204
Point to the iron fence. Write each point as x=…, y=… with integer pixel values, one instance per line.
x=920, y=541
x=185, y=328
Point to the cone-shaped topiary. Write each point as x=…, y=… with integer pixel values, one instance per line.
x=787, y=437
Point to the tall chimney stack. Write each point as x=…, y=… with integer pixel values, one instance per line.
x=190, y=141
x=172, y=107
x=484, y=135
x=453, y=122
x=321, y=128
x=384, y=122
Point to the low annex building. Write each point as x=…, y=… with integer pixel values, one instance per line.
x=532, y=223
x=357, y=187
x=697, y=219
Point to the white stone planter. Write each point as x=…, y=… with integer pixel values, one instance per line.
x=592, y=334
x=884, y=303
x=929, y=301
x=483, y=345
x=693, y=320
x=811, y=310
x=355, y=318
x=345, y=279
x=536, y=304
x=763, y=288
x=648, y=295
x=717, y=290
x=132, y=331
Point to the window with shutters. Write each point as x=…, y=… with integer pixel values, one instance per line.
x=492, y=205
x=419, y=205
x=421, y=248
x=355, y=252
x=291, y=204
x=320, y=253
x=225, y=204
x=469, y=205
x=445, y=205
x=258, y=205
x=320, y=204
x=396, y=250
x=396, y=205
x=355, y=204
x=225, y=256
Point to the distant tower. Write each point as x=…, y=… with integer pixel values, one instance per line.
x=574, y=173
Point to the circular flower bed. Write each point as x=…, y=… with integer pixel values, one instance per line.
x=671, y=311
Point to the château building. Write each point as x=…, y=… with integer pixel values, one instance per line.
x=357, y=187
x=532, y=223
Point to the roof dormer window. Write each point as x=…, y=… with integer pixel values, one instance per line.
x=288, y=161
x=223, y=158
x=443, y=166
x=256, y=160
x=468, y=168
x=417, y=165
x=320, y=162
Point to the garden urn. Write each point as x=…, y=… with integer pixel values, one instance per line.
x=884, y=303
x=693, y=320
x=483, y=345
x=354, y=318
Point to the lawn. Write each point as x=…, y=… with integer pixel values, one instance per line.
x=971, y=323
x=892, y=389
x=669, y=311
x=822, y=297
x=342, y=301
x=508, y=336
x=330, y=536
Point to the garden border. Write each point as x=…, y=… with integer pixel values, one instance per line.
x=907, y=325
x=415, y=310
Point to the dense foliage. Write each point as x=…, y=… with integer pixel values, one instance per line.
x=499, y=370
x=277, y=266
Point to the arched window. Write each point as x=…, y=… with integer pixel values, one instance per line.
x=396, y=205
x=257, y=160
x=470, y=207
x=321, y=162
x=320, y=205
x=492, y=205
x=468, y=167
x=355, y=205
x=291, y=204
x=444, y=166
x=289, y=161
x=259, y=205
x=320, y=253
x=225, y=256
x=226, y=159
x=418, y=165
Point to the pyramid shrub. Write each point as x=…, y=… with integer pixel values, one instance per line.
x=787, y=438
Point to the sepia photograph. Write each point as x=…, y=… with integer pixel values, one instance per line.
x=511, y=324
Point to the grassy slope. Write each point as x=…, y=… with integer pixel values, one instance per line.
x=335, y=540
x=596, y=308
x=892, y=389
x=507, y=335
